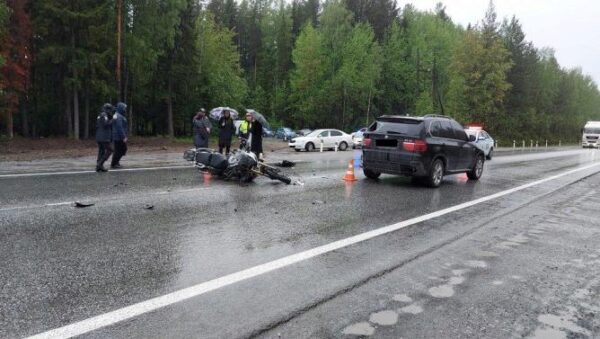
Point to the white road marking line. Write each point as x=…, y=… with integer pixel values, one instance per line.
x=59, y=203
x=71, y=202
x=128, y=312
x=41, y=174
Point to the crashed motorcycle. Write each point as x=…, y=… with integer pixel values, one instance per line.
x=241, y=165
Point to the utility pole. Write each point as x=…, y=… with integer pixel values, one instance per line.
x=119, y=47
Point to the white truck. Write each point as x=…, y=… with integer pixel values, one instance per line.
x=590, y=134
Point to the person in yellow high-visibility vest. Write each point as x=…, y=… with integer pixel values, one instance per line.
x=245, y=127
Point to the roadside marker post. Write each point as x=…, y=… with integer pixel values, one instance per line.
x=523, y=148
x=514, y=144
x=531, y=145
x=546, y=144
x=321, y=146
x=336, y=146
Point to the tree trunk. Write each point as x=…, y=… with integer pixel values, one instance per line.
x=24, y=118
x=75, y=93
x=129, y=93
x=86, y=130
x=9, y=123
x=75, y=111
x=368, y=108
x=170, y=109
x=68, y=115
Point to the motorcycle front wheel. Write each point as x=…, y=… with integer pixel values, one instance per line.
x=273, y=174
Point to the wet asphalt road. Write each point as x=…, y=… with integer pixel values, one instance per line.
x=525, y=264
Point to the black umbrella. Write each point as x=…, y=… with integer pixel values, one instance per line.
x=259, y=117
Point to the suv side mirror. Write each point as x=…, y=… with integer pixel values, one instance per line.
x=472, y=138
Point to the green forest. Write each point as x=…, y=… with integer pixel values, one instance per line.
x=302, y=63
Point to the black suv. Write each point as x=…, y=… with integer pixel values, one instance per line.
x=425, y=148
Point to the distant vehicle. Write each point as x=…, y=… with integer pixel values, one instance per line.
x=329, y=137
x=285, y=133
x=590, y=134
x=268, y=133
x=357, y=137
x=425, y=148
x=483, y=140
x=303, y=132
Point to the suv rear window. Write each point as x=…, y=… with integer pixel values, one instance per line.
x=410, y=127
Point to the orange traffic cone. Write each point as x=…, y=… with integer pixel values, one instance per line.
x=350, y=172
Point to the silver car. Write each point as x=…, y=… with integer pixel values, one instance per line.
x=482, y=140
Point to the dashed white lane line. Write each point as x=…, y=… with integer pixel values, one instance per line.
x=116, y=316
x=45, y=174
x=64, y=203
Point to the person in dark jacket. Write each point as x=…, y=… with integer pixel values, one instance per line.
x=202, y=127
x=104, y=136
x=256, y=132
x=226, y=132
x=119, y=135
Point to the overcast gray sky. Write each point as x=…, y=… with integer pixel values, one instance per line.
x=570, y=27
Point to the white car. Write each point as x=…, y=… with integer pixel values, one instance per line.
x=357, y=137
x=482, y=140
x=330, y=138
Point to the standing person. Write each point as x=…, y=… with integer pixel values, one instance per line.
x=202, y=128
x=245, y=127
x=256, y=130
x=119, y=135
x=226, y=131
x=104, y=136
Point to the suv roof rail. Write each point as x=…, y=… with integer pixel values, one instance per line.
x=437, y=116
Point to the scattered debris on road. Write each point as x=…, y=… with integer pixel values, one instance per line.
x=318, y=202
x=149, y=207
x=79, y=204
x=285, y=163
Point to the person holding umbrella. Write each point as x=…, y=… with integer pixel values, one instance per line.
x=256, y=132
x=104, y=136
x=202, y=128
x=120, y=129
x=226, y=132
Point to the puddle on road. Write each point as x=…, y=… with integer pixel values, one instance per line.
x=442, y=291
x=411, y=309
x=507, y=245
x=476, y=264
x=384, y=318
x=403, y=298
x=519, y=238
x=460, y=272
x=565, y=322
x=486, y=254
x=363, y=328
x=549, y=333
x=456, y=280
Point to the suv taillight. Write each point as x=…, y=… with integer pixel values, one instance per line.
x=418, y=146
x=367, y=142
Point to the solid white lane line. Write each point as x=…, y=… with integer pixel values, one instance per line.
x=150, y=305
x=42, y=174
